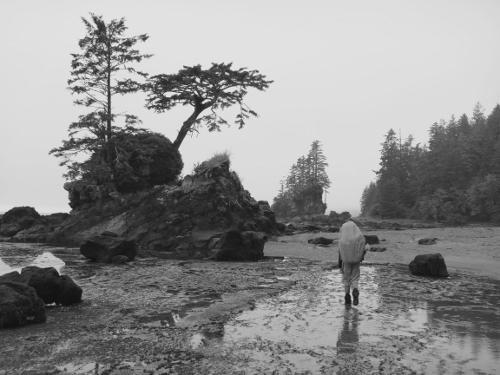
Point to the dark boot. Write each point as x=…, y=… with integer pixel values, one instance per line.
x=355, y=294
x=347, y=299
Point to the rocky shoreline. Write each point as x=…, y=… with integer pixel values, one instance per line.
x=183, y=220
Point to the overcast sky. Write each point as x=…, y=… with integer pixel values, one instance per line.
x=344, y=73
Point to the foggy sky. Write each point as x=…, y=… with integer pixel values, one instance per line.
x=344, y=73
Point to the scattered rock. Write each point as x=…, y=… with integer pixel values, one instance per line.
x=427, y=241
x=69, y=292
x=311, y=228
x=320, y=241
x=50, y=286
x=104, y=247
x=429, y=265
x=44, y=280
x=377, y=249
x=372, y=239
x=240, y=246
x=20, y=305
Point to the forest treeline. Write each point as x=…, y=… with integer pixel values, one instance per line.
x=301, y=193
x=455, y=178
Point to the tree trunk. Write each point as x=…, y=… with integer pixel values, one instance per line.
x=186, y=126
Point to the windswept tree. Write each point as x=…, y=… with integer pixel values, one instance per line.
x=105, y=67
x=205, y=90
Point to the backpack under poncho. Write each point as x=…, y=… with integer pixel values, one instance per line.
x=351, y=243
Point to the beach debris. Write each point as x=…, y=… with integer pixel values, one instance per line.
x=429, y=265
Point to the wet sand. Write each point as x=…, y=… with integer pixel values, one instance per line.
x=472, y=249
x=281, y=316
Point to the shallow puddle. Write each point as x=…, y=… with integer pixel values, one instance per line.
x=399, y=321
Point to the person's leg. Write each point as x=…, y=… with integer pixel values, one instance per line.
x=355, y=273
x=346, y=276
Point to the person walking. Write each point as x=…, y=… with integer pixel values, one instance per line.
x=351, y=252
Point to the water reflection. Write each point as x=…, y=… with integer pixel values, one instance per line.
x=349, y=336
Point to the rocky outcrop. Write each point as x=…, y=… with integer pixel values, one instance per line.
x=50, y=286
x=429, y=265
x=17, y=219
x=108, y=247
x=182, y=220
x=20, y=305
x=178, y=220
x=25, y=224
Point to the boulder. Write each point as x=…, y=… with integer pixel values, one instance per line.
x=14, y=277
x=320, y=241
x=372, y=239
x=17, y=219
x=69, y=292
x=104, y=247
x=20, y=305
x=44, y=280
x=235, y=245
x=50, y=286
x=429, y=265
x=427, y=241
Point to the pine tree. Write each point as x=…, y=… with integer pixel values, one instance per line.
x=317, y=159
x=105, y=67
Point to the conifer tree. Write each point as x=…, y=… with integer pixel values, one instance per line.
x=104, y=67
